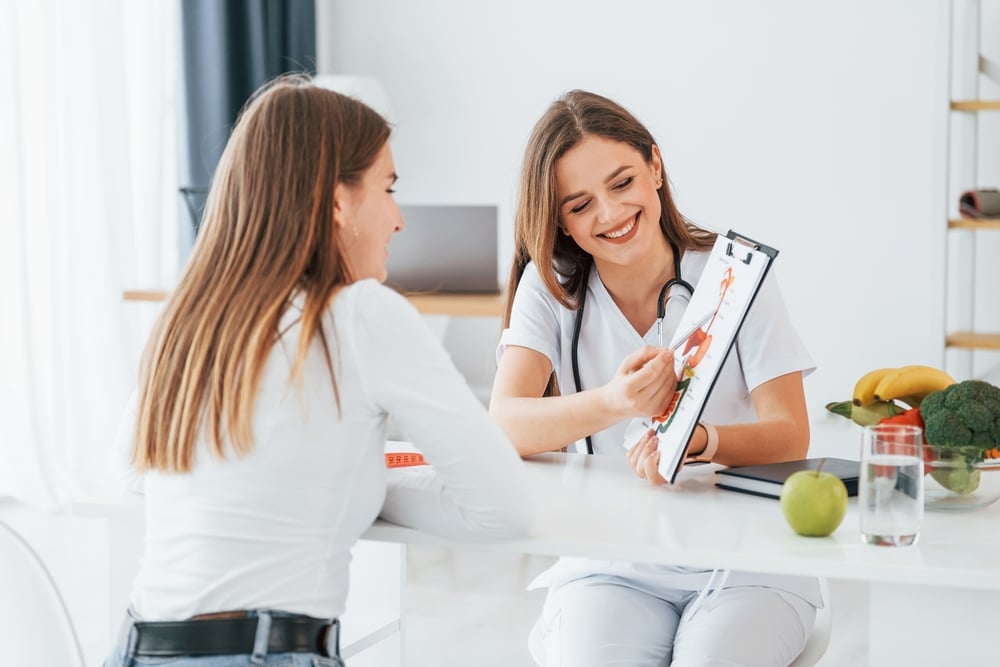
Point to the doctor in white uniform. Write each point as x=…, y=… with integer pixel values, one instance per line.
x=598, y=243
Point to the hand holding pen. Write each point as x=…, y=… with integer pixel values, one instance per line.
x=643, y=384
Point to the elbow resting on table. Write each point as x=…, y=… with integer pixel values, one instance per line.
x=510, y=526
x=511, y=518
x=488, y=510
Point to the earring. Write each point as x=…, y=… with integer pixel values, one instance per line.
x=659, y=182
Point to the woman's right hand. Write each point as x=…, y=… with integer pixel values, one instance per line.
x=644, y=383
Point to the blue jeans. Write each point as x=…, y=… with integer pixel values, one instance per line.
x=118, y=658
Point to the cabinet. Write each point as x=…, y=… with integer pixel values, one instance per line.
x=971, y=313
x=456, y=305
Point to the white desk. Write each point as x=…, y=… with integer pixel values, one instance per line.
x=934, y=603
x=931, y=604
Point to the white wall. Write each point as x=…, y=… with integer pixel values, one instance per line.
x=816, y=127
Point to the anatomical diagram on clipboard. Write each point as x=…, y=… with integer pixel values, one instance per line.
x=707, y=331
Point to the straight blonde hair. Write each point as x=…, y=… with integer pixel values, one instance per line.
x=268, y=232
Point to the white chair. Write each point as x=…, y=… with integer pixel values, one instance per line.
x=819, y=638
x=35, y=624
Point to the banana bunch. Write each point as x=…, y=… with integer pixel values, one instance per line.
x=887, y=392
x=907, y=384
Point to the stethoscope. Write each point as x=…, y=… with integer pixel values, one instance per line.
x=661, y=312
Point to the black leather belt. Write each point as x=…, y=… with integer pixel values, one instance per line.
x=225, y=636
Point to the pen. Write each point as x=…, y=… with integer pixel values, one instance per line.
x=682, y=339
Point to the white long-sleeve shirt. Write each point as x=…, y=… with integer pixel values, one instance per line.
x=274, y=529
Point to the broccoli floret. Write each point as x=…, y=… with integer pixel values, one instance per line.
x=986, y=391
x=966, y=414
x=977, y=391
x=982, y=440
x=962, y=421
x=971, y=391
x=952, y=399
x=932, y=403
x=976, y=416
x=945, y=429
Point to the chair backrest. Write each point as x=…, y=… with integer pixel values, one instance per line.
x=819, y=638
x=35, y=623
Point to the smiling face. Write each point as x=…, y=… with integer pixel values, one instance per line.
x=608, y=201
x=366, y=215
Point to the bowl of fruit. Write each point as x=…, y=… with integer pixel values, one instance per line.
x=961, y=424
x=959, y=478
x=961, y=455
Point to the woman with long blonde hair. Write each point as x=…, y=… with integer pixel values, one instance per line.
x=259, y=423
x=601, y=254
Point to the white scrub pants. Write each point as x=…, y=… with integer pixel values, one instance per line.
x=595, y=622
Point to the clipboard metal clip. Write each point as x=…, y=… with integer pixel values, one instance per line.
x=729, y=251
x=749, y=243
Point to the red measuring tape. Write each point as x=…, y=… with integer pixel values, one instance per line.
x=403, y=459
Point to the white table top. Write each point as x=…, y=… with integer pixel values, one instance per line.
x=595, y=506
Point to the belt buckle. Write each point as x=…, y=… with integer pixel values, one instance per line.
x=329, y=641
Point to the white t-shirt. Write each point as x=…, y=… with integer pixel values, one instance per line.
x=767, y=346
x=274, y=529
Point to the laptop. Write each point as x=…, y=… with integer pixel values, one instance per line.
x=444, y=248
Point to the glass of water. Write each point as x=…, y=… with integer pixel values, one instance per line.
x=891, y=485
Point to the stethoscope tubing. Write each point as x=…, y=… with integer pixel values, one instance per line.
x=661, y=311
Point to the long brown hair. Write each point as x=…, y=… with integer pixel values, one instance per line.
x=268, y=232
x=560, y=261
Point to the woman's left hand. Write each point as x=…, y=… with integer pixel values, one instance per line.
x=644, y=458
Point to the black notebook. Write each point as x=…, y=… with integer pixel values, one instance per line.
x=766, y=480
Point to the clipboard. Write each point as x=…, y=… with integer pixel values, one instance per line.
x=705, y=335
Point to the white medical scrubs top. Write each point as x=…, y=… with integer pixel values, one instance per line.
x=767, y=346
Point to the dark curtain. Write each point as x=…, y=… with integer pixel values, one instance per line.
x=230, y=48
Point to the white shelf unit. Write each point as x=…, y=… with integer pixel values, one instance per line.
x=970, y=104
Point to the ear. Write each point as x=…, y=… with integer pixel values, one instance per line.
x=656, y=164
x=342, y=204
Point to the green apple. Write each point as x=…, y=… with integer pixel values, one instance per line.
x=814, y=502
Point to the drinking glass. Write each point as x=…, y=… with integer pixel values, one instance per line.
x=891, y=484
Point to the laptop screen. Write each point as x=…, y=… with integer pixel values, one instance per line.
x=445, y=248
